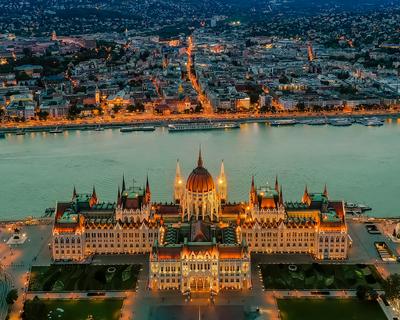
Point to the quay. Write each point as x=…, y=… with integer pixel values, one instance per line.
x=138, y=121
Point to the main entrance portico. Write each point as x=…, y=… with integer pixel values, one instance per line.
x=198, y=284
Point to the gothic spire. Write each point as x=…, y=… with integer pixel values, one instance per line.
x=94, y=195
x=253, y=188
x=178, y=169
x=74, y=194
x=305, y=197
x=280, y=196
x=123, y=183
x=200, y=160
x=276, y=184
x=222, y=173
x=178, y=183
x=147, y=185
x=326, y=191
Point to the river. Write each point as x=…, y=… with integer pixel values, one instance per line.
x=359, y=164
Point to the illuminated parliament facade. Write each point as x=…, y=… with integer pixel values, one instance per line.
x=200, y=242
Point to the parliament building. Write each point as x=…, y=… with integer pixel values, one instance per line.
x=200, y=241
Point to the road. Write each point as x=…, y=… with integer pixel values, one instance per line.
x=205, y=102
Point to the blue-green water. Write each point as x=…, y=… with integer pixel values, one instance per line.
x=358, y=163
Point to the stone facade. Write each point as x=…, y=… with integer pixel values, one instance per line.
x=201, y=242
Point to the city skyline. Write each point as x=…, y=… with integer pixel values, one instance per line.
x=213, y=159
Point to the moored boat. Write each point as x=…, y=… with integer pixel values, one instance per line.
x=20, y=132
x=283, y=122
x=356, y=208
x=340, y=122
x=371, y=122
x=202, y=126
x=317, y=122
x=138, y=128
x=56, y=130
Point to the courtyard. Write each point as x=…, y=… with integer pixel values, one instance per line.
x=329, y=309
x=318, y=276
x=83, y=277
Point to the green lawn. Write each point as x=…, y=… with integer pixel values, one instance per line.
x=329, y=309
x=319, y=276
x=99, y=309
x=82, y=277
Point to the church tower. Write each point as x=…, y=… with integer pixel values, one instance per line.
x=222, y=184
x=97, y=96
x=179, y=185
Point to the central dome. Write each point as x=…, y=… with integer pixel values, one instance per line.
x=200, y=180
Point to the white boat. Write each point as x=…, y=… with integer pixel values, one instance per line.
x=99, y=128
x=56, y=130
x=138, y=128
x=283, y=122
x=371, y=122
x=341, y=122
x=202, y=126
x=316, y=122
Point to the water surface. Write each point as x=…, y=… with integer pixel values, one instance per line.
x=358, y=163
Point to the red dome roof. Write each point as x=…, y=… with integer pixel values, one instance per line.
x=200, y=180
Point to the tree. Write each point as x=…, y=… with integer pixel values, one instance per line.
x=391, y=286
x=116, y=108
x=198, y=108
x=301, y=106
x=366, y=293
x=42, y=115
x=343, y=75
x=138, y=107
x=73, y=111
x=283, y=79
x=12, y=296
x=34, y=309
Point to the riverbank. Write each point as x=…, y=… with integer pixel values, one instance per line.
x=158, y=121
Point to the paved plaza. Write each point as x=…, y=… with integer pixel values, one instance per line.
x=146, y=304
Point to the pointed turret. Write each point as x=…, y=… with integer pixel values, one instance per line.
x=147, y=184
x=326, y=191
x=253, y=193
x=123, y=183
x=281, y=196
x=306, y=196
x=94, y=195
x=93, y=199
x=147, y=196
x=178, y=183
x=119, y=197
x=74, y=194
x=276, y=184
x=200, y=160
x=222, y=183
